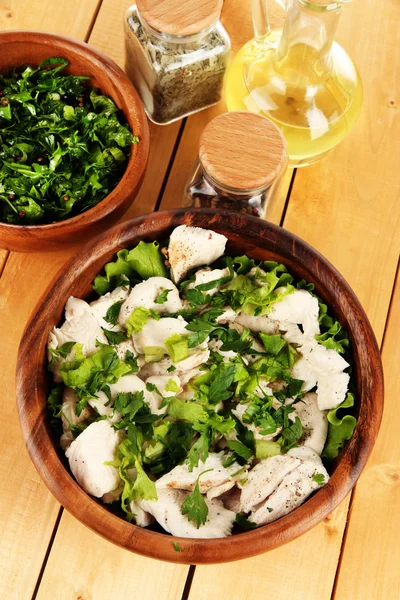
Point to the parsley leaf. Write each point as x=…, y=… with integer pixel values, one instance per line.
x=61, y=352
x=115, y=337
x=218, y=391
x=112, y=313
x=132, y=361
x=199, y=450
x=240, y=449
x=163, y=297
x=195, y=506
x=291, y=435
x=244, y=523
x=196, y=298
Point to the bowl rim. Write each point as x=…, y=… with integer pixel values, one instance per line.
x=60, y=482
x=139, y=152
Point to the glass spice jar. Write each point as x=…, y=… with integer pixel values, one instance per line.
x=242, y=159
x=176, y=55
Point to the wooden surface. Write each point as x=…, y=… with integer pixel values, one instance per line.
x=347, y=206
x=243, y=138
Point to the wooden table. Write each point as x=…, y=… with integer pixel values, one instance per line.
x=347, y=206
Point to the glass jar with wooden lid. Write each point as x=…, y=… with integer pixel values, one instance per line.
x=176, y=55
x=242, y=158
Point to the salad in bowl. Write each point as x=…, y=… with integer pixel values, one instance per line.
x=200, y=391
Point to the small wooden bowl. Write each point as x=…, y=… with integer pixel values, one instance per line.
x=30, y=48
x=262, y=241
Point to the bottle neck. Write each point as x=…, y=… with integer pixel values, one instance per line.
x=309, y=29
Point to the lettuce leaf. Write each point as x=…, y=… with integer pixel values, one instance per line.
x=177, y=346
x=145, y=260
x=139, y=486
x=243, y=293
x=138, y=319
x=273, y=344
x=186, y=411
x=340, y=430
x=88, y=375
x=333, y=336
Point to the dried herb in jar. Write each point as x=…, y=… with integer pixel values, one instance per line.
x=175, y=76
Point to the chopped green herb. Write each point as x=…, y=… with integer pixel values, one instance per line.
x=319, y=478
x=244, y=523
x=163, y=297
x=115, y=337
x=112, y=313
x=195, y=506
x=64, y=147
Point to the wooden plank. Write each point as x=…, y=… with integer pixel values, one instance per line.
x=347, y=207
x=372, y=540
x=288, y=573
x=73, y=572
x=72, y=18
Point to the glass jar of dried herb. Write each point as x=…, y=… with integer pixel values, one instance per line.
x=176, y=55
x=242, y=159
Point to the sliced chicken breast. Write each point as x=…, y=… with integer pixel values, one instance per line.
x=68, y=408
x=191, y=247
x=218, y=490
x=181, y=478
x=80, y=326
x=128, y=383
x=167, y=512
x=142, y=518
x=154, y=333
x=300, y=308
x=154, y=399
x=323, y=367
x=264, y=478
x=87, y=456
x=258, y=324
x=144, y=295
x=314, y=421
x=206, y=276
x=101, y=305
x=293, y=490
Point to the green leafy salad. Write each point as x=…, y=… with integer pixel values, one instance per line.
x=202, y=392
x=63, y=146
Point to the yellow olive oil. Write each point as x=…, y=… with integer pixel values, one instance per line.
x=315, y=102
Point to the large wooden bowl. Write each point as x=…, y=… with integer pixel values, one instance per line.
x=260, y=240
x=31, y=47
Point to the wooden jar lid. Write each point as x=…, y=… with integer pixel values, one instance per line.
x=243, y=150
x=180, y=17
